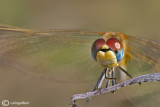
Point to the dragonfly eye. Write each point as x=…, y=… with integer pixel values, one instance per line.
x=114, y=44
x=117, y=47
x=97, y=47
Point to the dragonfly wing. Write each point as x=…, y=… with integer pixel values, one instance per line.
x=144, y=58
x=146, y=54
x=46, y=66
x=59, y=55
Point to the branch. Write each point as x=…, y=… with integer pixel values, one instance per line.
x=143, y=78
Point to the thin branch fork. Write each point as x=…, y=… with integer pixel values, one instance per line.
x=143, y=78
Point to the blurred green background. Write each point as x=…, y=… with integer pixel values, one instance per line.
x=132, y=17
x=137, y=17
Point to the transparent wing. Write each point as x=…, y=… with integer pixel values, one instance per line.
x=144, y=57
x=59, y=55
x=35, y=65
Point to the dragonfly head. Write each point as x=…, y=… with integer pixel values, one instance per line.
x=107, y=52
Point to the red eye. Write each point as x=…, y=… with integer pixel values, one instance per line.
x=114, y=44
x=97, y=46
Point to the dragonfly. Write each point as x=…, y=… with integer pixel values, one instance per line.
x=70, y=55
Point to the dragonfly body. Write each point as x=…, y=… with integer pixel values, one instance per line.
x=108, y=51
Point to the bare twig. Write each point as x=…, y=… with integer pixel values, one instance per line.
x=143, y=78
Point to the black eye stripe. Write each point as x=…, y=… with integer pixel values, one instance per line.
x=116, y=52
x=105, y=50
